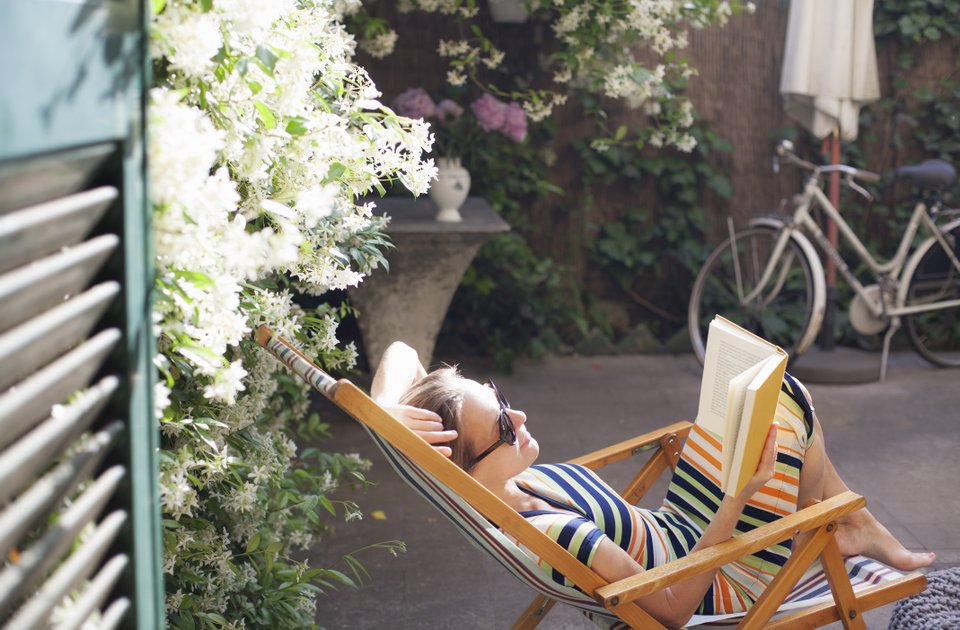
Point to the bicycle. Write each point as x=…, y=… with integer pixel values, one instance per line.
x=769, y=278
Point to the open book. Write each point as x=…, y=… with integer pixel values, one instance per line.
x=738, y=397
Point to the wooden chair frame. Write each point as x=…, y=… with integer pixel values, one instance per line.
x=817, y=523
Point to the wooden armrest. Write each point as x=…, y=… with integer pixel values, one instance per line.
x=628, y=448
x=720, y=554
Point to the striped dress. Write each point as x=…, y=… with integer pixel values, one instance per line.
x=590, y=510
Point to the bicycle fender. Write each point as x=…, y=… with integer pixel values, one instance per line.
x=816, y=272
x=914, y=261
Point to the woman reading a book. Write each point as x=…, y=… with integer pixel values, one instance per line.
x=474, y=425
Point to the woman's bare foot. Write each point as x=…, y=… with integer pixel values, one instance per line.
x=861, y=533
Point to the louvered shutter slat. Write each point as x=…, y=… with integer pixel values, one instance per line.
x=95, y=594
x=20, y=463
x=18, y=578
x=23, y=405
x=34, y=343
x=19, y=516
x=31, y=289
x=114, y=613
x=80, y=565
x=37, y=231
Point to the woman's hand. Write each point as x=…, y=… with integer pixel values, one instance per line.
x=765, y=469
x=424, y=423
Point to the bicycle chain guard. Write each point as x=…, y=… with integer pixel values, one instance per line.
x=861, y=318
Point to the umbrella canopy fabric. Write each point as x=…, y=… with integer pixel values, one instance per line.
x=829, y=65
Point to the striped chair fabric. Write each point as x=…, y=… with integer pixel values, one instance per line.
x=810, y=590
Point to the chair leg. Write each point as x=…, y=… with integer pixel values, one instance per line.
x=851, y=616
x=534, y=613
x=786, y=579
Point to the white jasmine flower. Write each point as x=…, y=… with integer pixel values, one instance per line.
x=227, y=383
x=188, y=38
x=380, y=46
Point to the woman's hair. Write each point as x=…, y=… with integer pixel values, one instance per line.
x=438, y=392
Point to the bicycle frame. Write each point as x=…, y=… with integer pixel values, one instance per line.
x=888, y=271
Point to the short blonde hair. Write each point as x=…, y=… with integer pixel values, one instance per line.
x=438, y=392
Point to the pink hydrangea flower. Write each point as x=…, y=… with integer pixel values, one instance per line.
x=447, y=111
x=414, y=103
x=490, y=112
x=515, y=123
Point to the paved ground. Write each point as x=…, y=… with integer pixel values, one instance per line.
x=894, y=442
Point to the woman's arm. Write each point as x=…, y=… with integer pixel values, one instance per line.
x=399, y=369
x=675, y=604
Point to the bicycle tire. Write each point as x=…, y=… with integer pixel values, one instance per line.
x=935, y=335
x=782, y=318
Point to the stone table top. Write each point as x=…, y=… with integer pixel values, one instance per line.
x=409, y=215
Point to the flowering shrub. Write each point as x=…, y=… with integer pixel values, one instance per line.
x=595, y=47
x=455, y=133
x=263, y=135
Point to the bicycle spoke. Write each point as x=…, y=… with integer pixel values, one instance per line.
x=780, y=311
x=934, y=334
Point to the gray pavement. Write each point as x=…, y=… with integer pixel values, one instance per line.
x=893, y=442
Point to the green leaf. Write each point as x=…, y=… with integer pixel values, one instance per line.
x=341, y=577
x=253, y=543
x=157, y=6
x=297, y=126
x=274, y=547
x=206, y=5
x=267, y=59
x=265, y=115
x=621, y=133
x=336, y=171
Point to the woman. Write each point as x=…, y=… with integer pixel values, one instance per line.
x=473, y=424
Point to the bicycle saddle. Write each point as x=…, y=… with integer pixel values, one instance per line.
x=931, y=174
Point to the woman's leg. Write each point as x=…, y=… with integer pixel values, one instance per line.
x=860, y=532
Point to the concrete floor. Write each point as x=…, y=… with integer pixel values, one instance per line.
x=894, y=442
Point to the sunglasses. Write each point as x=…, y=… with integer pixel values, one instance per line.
x=508, y=435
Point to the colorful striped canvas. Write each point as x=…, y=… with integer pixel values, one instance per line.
x=811, y=589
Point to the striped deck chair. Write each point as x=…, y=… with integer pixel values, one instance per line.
x=814, y=588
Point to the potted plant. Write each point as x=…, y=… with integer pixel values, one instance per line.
x=455, y=130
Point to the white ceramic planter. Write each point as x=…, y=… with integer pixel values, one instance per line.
x=451, y=189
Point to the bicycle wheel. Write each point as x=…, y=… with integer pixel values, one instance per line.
x=781, y=312
x=935, y=335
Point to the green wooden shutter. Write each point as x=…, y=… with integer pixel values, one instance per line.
x=79, y=507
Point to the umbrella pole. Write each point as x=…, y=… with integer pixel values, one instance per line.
x=828, y=339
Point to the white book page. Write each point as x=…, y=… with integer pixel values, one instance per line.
x=760, y=374
x=736, y=397
x=729, y=353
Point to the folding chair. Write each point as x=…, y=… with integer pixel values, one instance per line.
x=805, y=593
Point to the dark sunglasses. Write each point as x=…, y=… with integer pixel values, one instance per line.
x=508, y=435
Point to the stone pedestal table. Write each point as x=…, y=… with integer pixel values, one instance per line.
x=409, y=302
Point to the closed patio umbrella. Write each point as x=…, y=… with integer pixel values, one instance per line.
x=829, y=72
x=829, y=65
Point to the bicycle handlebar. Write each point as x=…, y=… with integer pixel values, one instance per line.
x=785, y=150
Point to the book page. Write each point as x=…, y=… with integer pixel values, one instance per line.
x=736, y=396
x=730, y=351
x=760, y=407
